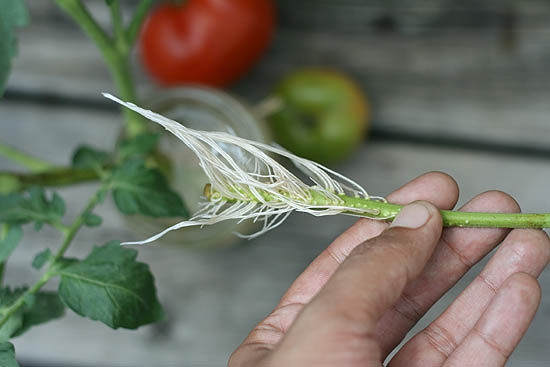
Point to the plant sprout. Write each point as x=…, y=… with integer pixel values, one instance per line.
x=263, y=190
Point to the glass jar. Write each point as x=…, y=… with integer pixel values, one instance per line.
x=200, y=108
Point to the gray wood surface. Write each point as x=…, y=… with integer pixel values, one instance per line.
x=461, y=74
x=432, y=69
x=213, y=298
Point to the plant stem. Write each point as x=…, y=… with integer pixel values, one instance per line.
x=2, y=268
x=115, y=52
x=69, y=234
x=456, y=218
x=135, y=24
x=58, y=176
x=78, y=222
x=387, y=211
x=116, y=18
x=32, y=163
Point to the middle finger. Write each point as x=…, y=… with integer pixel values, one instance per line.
x=458, y=250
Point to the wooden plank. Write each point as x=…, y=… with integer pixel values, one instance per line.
x=213, y=298
x=463, y=81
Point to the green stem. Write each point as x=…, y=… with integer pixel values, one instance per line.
x=59, y=176
x=69, y=234
x=118, y=27
x=376, y=209
x=77, y=224
x=456, y=218
x=135, y=24
x=2, y=268
x=115, y=52
x=24, y=159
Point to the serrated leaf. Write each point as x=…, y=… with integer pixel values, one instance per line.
x=88, y=157
x=7, y=355
x=10, y=235
x=111, y=286
x=41, y=258
x=92, y=220
x=141, y=190
x=140, y=145
x=31, y=206
x=15, y=322
x=13, y=14
x=46, y=306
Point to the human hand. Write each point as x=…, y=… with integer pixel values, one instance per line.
x=358, y=299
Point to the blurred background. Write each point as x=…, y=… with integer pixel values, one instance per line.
x=460, y=87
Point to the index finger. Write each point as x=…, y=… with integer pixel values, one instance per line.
x=438, y=188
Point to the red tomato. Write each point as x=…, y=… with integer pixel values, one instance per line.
x=209, y=42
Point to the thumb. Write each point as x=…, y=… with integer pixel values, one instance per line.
x=373, y=276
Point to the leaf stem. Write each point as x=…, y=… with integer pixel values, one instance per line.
x=135, y=24
x=2, y=268
x=69, y=234
x=78, y=222
x=32, y=163
x=115, y=52
x=118, y=27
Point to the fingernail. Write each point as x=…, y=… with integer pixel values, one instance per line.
x=414, y=215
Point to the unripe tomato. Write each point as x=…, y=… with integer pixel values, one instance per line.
x=324, y=114
x=210, y=42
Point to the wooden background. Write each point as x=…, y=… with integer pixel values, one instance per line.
x=461, y=87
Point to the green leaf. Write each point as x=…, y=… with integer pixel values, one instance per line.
x=31, y=206
x=7, y=355
x=13, y=14
x=141, y=190
x=45, y=306
x=112, y=287
x=41, y=258
x=38, y=308
x=88, y=157
x=140, y=145
x=10, y=235
x=15, y=322
x=92, y=220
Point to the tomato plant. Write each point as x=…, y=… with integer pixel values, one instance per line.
x=210, y=42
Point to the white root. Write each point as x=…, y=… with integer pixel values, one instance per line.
x=262, y=189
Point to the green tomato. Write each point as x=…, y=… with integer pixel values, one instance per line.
x=323, y=115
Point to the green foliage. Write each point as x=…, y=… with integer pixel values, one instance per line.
x=41, y=258
x=31, y=206
x=111, y=286
x=92, y=220
x=13, y=14
x=138, y=189
x=10, y=235
x=139, y=146
x=88, y=157
x=7, y=355
x=38, y=308
x=14, y=323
